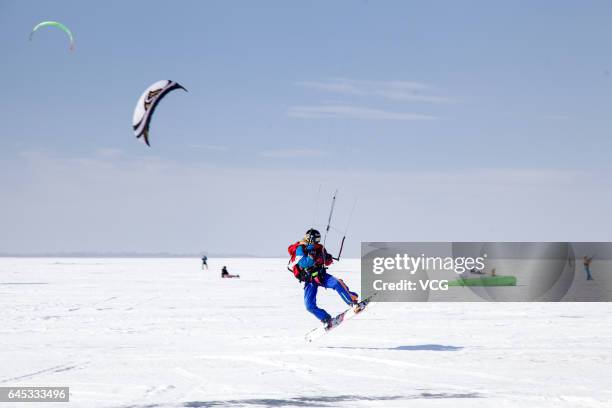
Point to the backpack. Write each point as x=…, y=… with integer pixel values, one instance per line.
x=292, y=265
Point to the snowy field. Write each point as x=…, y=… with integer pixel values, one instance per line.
x=163, y=333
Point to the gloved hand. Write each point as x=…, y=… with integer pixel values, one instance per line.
x=303, y=276
x=328, y=259
x=316, y=273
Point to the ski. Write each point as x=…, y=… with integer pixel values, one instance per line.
x=336, y=321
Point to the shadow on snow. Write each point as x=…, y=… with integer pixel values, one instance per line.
x=416, y=347
x=310, y=401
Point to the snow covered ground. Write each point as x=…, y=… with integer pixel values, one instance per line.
x=163, y=333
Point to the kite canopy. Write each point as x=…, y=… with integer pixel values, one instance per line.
x=146, y=106
x=55, y=24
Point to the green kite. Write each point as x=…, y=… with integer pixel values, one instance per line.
x=55, y=24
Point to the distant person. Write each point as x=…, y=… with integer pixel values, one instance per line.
x=226, y=274
x=586, y=261
x=204, y=262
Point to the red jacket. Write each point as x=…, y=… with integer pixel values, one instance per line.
x=317, y=253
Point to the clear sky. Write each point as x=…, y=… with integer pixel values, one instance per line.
x=447, y=120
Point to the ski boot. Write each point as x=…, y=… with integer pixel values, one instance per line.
x=357, y=307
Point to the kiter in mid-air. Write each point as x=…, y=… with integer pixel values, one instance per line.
x=309, y=262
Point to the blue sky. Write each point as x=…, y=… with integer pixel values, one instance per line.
x=446, y=120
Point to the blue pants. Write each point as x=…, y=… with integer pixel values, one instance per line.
x=588, y=272
x=329, y=282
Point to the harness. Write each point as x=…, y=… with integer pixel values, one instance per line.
x=313, y=274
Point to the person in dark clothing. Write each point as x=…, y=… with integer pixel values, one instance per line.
x=586, y=261
x=204, y=262
x=226, y=274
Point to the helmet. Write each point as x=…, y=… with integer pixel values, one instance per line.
x=312, y=236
